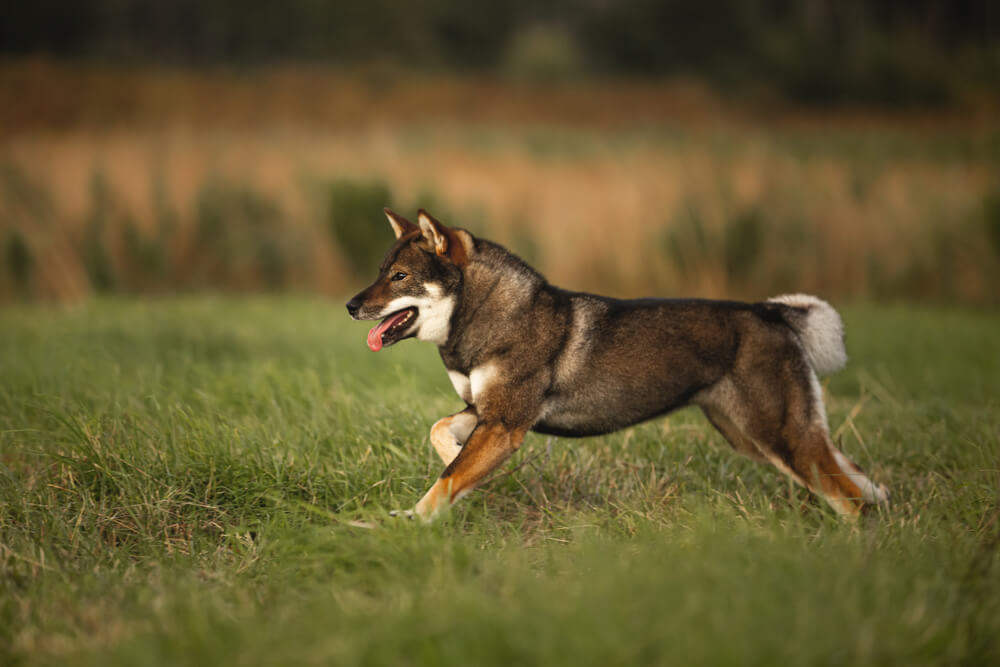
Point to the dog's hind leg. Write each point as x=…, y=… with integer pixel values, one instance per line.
x=871, y=493
x=838, y=476
x=829, y=473
x=732, y=433
x=788, y=429
x=450, y=433
x=807, y=456
x=814, y=461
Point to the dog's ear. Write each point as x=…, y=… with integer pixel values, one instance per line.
x=456, y=244
x=435, y=233
x=400, y=225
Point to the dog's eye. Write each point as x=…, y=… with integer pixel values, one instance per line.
x=399, y=275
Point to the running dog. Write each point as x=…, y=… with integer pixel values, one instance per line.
x=527, y=356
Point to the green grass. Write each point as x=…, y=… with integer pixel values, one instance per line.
x=205, y=481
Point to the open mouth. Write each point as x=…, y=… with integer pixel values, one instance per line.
x=391, y=329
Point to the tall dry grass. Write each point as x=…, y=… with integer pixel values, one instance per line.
x=215, y=188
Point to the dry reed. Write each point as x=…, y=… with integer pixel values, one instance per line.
x=675, y=202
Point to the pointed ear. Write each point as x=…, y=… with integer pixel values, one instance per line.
x=435, y=233
x=457, y=244
x=400, y=225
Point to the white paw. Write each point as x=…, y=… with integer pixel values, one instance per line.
x=402, y=514
x=882, y=494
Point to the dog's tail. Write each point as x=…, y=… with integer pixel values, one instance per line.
x=820, y=330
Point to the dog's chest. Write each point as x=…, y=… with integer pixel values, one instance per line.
x=462, y=385
x=470, y=387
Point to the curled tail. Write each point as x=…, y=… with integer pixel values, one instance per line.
x=820, y=330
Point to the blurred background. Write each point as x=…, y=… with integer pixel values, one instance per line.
x=635, y=147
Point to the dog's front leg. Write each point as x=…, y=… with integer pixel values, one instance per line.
x=450, y=433
x=489, y=445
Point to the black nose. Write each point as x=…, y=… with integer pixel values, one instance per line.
x=353, y=306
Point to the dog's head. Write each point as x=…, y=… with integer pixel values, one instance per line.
x=415, y=291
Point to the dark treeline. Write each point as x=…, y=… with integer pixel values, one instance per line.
x=883, y=51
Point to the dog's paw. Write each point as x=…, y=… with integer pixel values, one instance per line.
x=883, y=495
x=402, y=514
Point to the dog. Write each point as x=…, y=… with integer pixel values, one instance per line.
x=527, y=356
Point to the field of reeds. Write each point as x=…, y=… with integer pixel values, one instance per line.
x=138, y=182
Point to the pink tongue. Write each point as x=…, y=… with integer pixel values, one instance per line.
x=375, y=335
x=375, y=338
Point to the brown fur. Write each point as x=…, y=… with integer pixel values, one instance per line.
x=525, y=355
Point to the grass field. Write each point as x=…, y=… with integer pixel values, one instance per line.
x=205, y=481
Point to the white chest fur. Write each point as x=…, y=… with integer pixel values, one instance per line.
x=462, y=385
x=470, y=387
